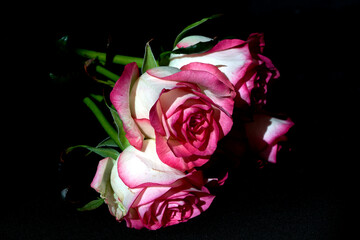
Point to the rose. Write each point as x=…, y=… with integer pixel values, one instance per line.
x=166, y=206
x=264, y=134
x=187, y=111
x=145, y=192
x=241, y=61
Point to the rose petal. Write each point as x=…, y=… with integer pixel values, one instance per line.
x=119, y=97
x=197, y=66
x=161, y=206
x=213, y=88
x=146, y=128
x=276, y=129
x=102, y=176
x=133, y=219
x=203, y=78
x=230, y=61
x=102, y=184
x=164, y=206
x=241, y=61
x=191, y=40
x=167, y=155
x=265, y=132
x=147, y=90
x=144, y=168
x=178, y=145
x=150, y=194
x=122, y=193
x=226, y=44
x=270, y=153
x=170, y=101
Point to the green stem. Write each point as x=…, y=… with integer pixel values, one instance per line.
x=119, y=59
x=103, y=121
x=112, y=76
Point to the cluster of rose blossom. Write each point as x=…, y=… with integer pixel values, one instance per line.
x=174, y=117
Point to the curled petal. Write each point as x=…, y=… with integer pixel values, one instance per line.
x=191, y=40
x=147, y=90
x=119, y=97
x=213, y=83
x=144, y=168
x=197, y=66
x=231, y=56
x=265, y=132
x=146, y=128
x=202, y=78
x=227, y=44
x=241, y=61
x=102, y=176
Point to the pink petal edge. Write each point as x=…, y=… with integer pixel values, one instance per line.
x=119, y=97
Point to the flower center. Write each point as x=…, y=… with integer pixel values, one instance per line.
x=196, y=121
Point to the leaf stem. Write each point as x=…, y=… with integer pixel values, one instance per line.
x=103, y=121
x=112, y=76
x=119, y=59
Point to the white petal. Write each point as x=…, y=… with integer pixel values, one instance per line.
x=191, y=40
x=229, y=61
x=146, y=91
x=144, y=168
x=124, y=196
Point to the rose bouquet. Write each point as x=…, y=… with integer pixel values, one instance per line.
x=172, y=117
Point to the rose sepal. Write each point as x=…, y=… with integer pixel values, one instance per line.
x=149, y=59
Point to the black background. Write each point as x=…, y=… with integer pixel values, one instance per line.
x=308, y=194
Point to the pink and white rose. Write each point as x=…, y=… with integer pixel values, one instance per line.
x=147, y=193
x=241, y=61
x=174, y=118
x=187, y=110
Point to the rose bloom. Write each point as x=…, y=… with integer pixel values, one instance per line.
x=147, y=193
x=241, y=61
x=187, y=110
x=249, y=71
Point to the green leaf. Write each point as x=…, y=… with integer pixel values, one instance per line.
x=149, y=59
x=124, y=143
x=103, y=152
x=92, y=205
x=113, y=134
x=191, y=26
x=196, y=48
x=164, y=58
x=108, y=142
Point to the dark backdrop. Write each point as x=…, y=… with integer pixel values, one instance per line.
x=307, y=195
